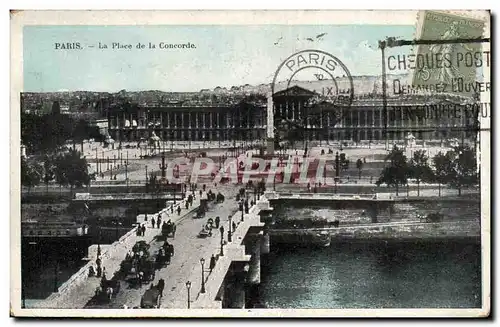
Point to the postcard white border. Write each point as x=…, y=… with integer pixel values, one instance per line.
x=302, y=17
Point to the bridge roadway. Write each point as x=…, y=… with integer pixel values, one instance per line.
x=185, y=264
x=79, y=289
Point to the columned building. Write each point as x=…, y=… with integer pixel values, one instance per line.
x=429, y=117
x=190, y=123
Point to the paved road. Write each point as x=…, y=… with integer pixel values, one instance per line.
x=185, y=265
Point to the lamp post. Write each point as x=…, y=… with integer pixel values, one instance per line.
x=126, y=173
x=96, y=161
x=242, y=209
x=202, y=261
x=188, y=286
x=221, y=241
x=229, y=234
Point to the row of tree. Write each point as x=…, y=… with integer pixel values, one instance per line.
x=456, y=168
x=65, y=168
x=47, y=133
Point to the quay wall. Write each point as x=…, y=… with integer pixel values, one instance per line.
x=413, y=231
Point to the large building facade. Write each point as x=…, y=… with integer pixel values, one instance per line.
x=365, y=119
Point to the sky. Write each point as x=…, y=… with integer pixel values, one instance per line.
x=224, y=55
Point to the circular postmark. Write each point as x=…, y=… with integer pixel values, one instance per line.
x=326, y=78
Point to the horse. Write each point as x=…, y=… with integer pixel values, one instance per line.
x=109, y=292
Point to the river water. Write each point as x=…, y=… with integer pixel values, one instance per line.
x=424, y=274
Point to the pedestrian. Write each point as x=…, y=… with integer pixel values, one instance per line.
x=212, y=263
x=168, y=255
x=158, y=221
x=153, y=222
x=217, y=222
x=143, y=230
x=234, y=226
x=179, y=210
x=161, y=286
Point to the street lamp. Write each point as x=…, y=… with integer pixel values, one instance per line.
x=229, y=234
x=221, y=241
x=188, y=286
x=242, y=209
x=126, y=173
x=202, y=261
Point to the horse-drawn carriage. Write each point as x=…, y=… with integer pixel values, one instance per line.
x=138, y=267
x=168, y=229
x=164, y=255
x=107, y=290
x=206, y=231
x=151, y=298
x=220, y=198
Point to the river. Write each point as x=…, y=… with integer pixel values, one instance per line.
x=424, y=274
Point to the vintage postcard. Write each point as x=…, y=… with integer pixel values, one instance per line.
x=250, y=163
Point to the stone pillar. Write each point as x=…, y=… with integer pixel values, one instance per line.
x=265, y=243
x=235, y=290
x=373, y=212
x=254, y=269
x=298, y=109
x=270, y=124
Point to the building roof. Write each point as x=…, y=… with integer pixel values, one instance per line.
x=295, y=91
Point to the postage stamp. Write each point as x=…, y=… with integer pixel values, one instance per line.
x=173, y=164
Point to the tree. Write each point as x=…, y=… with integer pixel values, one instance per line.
x=81, y=132
x=464, y=168
x=45, y=133
x=419, y=168
x=443, y=164
x=359, y=166
x=397, y=172
x=48, y=170
x=56, y=108
x=72, y=169
x=31, y=173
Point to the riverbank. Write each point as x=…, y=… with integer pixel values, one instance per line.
x=408, y=231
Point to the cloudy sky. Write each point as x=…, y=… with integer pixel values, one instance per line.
x=224, y=55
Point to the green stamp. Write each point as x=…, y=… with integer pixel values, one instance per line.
x=456, y=67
